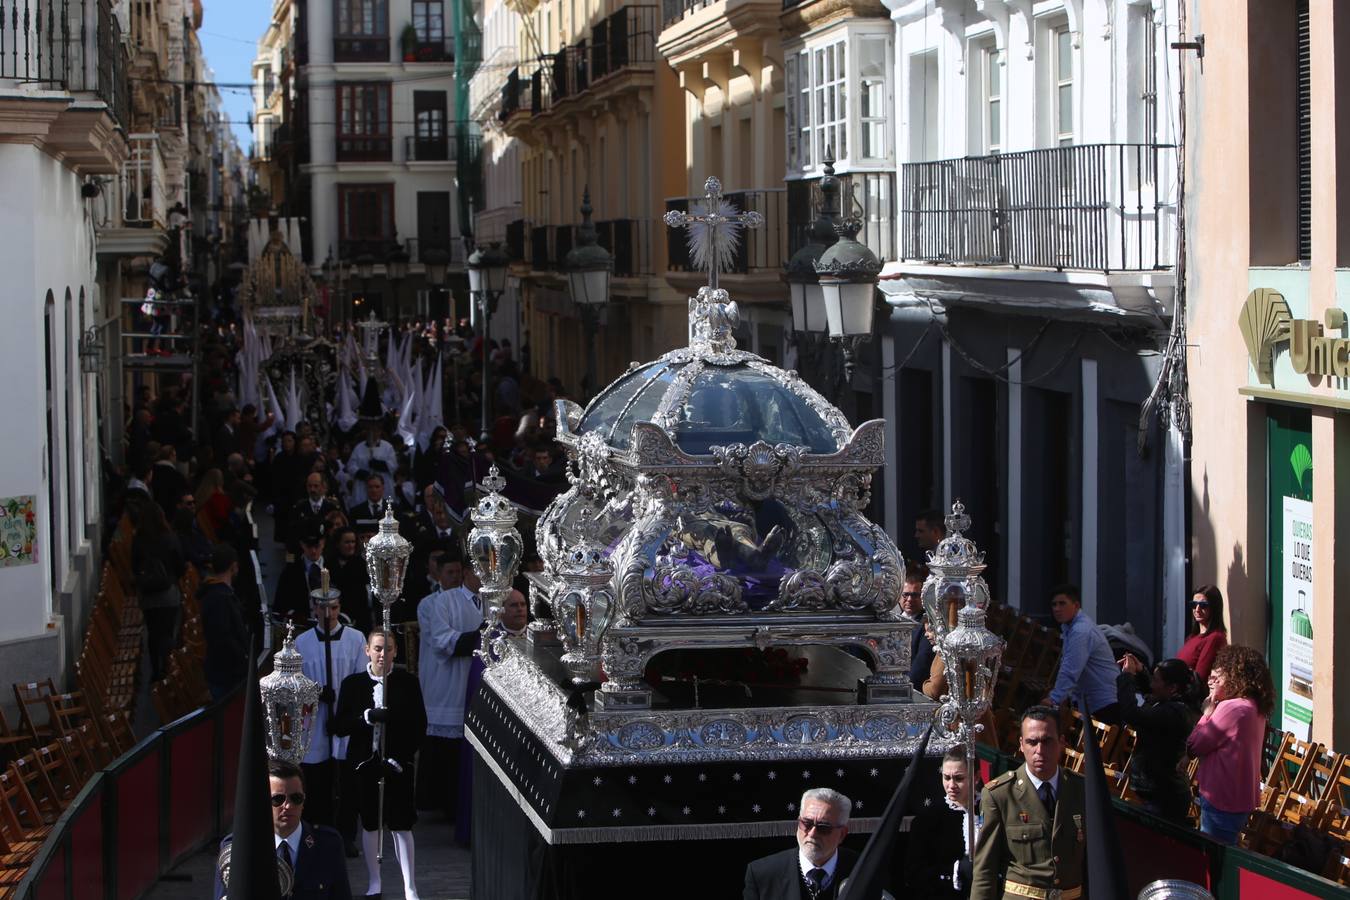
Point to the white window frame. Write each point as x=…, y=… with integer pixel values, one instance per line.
x=992, y=102
x=823, y=92
x=1058, y=82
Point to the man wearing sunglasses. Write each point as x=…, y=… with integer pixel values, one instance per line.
x=314, y=852
x=816, y=868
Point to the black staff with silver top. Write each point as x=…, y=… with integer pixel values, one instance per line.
x=386, y=562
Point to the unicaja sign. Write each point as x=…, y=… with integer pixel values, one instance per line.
x=1265, y=321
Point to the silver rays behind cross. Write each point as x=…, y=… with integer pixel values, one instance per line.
x=714, y=234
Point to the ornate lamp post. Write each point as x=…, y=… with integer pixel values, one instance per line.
x=808, y=299
x=955, y=598
x=495, y=548
x=589, y=267
x=396, y=269
x=290, y=703
x=848, y=273
x=487, y=282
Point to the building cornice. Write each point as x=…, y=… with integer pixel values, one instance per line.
x=814, y=14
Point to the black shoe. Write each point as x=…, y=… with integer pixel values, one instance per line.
x=352, y=851
x=375, y=896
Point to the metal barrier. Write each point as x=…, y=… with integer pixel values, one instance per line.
x=149, y=809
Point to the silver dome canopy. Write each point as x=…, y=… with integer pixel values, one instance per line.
x=715, y=405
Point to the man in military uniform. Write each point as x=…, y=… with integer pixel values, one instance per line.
x=1031, y=843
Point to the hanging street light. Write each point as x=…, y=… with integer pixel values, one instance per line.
x=848, y=273
x=589, y=268
x=487, y=267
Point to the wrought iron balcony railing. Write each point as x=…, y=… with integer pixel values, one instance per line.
x=760, y=249
x=1091, y=207
x=361, y=48
x=673, y=11
x=437, y=148
x=74, y=45
x=875, y=193
x=624, y=39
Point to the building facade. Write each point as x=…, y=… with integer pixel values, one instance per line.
x=1269, y=164
x=376, y=148
x=587, y=106
x=65, y=145
x=1031, y=287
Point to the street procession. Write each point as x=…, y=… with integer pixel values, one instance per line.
x=572, y=449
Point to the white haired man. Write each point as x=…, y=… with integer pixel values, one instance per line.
x=816, y=867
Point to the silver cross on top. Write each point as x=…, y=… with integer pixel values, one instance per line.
x=714, y=234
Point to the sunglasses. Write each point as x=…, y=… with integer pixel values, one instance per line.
x=821, y=827
x=297, y=799
x=911, y=593
x=1199, y=604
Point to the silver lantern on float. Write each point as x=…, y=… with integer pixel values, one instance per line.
x=954, y=576
x=387, y=561
x=495, y=549
x=584, y=608
x=290, y=703
x=955, y=597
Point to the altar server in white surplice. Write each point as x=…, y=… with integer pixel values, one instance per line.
x=348, y=656
x=449, y=620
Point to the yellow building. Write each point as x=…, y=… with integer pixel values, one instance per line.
x=1269, y=232
x=591, y=105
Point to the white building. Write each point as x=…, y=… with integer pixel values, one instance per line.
x=65, y=105
x=1030, y=282
x=376, y=143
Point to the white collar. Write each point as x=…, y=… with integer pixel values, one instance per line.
x=373, y=676
x=293, y=840
x=806, y=866
x=1036, y=782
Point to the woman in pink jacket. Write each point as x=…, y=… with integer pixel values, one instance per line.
x=1227, y=741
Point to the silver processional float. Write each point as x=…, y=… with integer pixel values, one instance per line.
x=714, y=514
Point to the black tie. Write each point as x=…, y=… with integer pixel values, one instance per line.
x=313, y=577
x=286, y=852
x=815, y=879
x=1047, y=793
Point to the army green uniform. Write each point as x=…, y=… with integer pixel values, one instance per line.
x=1020, y=852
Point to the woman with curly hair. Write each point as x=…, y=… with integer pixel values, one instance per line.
x=1206, y=633
x=1227, y=741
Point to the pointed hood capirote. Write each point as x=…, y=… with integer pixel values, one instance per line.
x=253, y=851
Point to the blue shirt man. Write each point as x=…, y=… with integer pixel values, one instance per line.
x=1086, y=665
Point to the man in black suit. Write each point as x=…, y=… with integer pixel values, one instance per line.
x=169, y=484
x=365, y=517
x=309, y=513
x=818, y=865
x=314, y=852
x=300, y=577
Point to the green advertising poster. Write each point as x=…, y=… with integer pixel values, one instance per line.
x=1290, y=565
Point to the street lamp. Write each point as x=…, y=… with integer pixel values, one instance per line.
x=487, y=282
x=848, y=273
x=589, y=267
x=808, y=300
x=437, y=264
x=396, y=269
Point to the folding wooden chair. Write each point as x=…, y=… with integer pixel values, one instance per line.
x=116, y=728
x=80, y=762
x=66, y=712
x=20, y=819
x=58, y=775
x=99, y=751
x=50, y=802
x=1292, y=768
x=13, y=744
x=32, y=699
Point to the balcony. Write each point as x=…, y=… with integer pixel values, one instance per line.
x=875, y=193
x=759, y=251
x=349, y=248
x=363, y=148
x=420, y=51
x=132, y=211
x=72, y=45
x=361, y=48
x=1093, y=207
x=428, y=149
x=515, y=240
x=622, y=42
x=673, y=11
x=628, y=241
